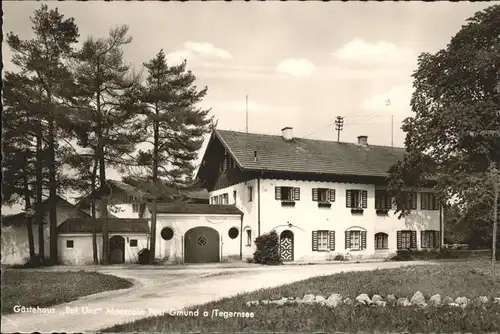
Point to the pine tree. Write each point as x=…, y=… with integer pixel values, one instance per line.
x=105, y=105
x=45, y=57
x=176, y=125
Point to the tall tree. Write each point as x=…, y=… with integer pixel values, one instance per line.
x=105, y=119
x=24, y=154
x=454, y=137
x=45, y=57
x=175, y=125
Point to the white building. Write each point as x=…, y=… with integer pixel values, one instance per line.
x=323, y=198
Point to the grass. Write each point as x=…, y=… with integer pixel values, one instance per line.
x=28, y=288
x=452, y=279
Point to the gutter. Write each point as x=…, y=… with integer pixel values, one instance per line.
x=258, y=204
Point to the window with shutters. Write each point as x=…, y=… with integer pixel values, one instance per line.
x=429, y=239
x=381, y=241
x=406, y=240
x=323, y=241
x=323, y=195
x=408, y=200
x=429, y=201
x=287, y=195
x=357, y=200
x=382, y=200
x=355, y=240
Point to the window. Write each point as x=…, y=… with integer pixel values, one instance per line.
x=249, y=237
x=408, y=200
x=133, y=242
x=233, y=232
x=225, y=198
x=381, y=241
x=323, y=241
x=429, y=201
x=382, y=200
x=250, y=194
x=356, y=199
x=287, y=194
x=323, y=195
x=167, y=233
x=69, y=243
x=407, y=239
x=135, y=207
x=429, y=239
x=355, y=240
x=234, y=196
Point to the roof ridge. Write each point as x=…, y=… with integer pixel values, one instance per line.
x=308, y=139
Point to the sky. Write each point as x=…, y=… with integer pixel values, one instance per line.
x=301, y=64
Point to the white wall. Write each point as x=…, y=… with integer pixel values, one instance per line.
x=172, y=250
x=249, y=209
x=306, y=217
x=82, y=253
x=15, y=247
x=120, y=211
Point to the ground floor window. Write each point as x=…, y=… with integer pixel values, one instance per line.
x=381, y=241
x=249, y=237
x=355, y=240
x=133, y=242
x=69, y=243
x=429, y=239
x=323, y=240
x=407, y=239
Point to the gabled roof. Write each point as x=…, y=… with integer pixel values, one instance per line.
x=194, y=208
x=274, y=154
x=20, y=218
x=116, y=225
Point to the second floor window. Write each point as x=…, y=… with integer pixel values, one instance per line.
x=407, y=200
x=135, y=207
x=287, y=194
x=382, y=200
x=323, y=195
x=429, y=201
x=250, y=194
x=356, y=198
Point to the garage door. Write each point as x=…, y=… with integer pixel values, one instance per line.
x=201, y=245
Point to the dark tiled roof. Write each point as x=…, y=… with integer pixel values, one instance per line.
x=195, y=208
x=195, y=194
x=20, y=218
x=308, y=155
x=116, y=225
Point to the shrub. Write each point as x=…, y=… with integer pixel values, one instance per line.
x=249, y=260
x=340, y=257
x=410, y=254
x=267, y=251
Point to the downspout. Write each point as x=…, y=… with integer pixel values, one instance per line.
x=258, y=205
x=241, y=237
x=441, y=226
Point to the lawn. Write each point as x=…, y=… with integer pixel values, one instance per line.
x=454, y=279
x=36, y=288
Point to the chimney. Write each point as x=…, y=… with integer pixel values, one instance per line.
x=287, y=133
x=363, y=140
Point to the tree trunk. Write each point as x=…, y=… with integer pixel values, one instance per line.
x=103, y=206
x=39, y=184
x=52, y=194
x=93, y=213
x=155, y=189
x=495, y=221
x=29, y=222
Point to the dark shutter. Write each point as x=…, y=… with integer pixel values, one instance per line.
x=315, y=194
x=388, y=201
x=332, y=240
x=413, y=197
x=314, y=240
x=364, y=199
x=400, y=239
x=413, y=239
x=348, y=196
x=332, y=195
x=347, y=239
x=363, y=239
x=422, y=236
x=437, y=239
x=296, y=194
x=226, y=163
x=423, y=201
x=277, y=193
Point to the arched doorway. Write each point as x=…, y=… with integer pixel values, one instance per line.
x=201, y=245
x=116, y=249
x=286, y=245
